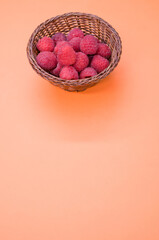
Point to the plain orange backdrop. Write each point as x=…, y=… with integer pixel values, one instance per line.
x=80, y=166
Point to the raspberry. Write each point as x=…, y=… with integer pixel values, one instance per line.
x=46, y=60
x=99, y=63
x=66, y=55
x=59, y=37
x=59, y=45
x=57, y=70
x=98, y=41
x=89, y=44
x=75, y=32
x=75, y=43
x=96, y=38
x=68, y=73
x=104, y=50
x=82, y=61
x=88, y=72
x=45, y=44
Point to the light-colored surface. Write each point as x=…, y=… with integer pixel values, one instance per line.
x=80, y=165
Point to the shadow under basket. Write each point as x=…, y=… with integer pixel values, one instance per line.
x=89, y=24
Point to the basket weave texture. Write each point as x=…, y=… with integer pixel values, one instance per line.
x=89, y=24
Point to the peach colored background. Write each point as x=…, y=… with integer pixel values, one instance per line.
x=80, y=166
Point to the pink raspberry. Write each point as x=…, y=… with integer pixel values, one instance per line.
x=82, y=61
x=45, y=44
x=99, y=63
x=89, y=44
x=104, y=50
x=66, y=55
x=59, y=37
x=75, y=32
x=56, y=71
x=59, y=45
x=68, y=73
x=96, y=38
x=98, y=41
x=46, y=60
x=75, y=43
x=88, y=72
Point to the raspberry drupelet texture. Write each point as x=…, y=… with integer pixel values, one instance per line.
x=75, y=43
x=66, y=55
x=46, y=60
x=45, y=44
x=88, y=72
x=59, y=37
x=59, y=45
x=89, y=45
x=82, y=61
x=56, y=71
x=68, y=73
x=104, y=50
x=75, y=32
x=99, y=63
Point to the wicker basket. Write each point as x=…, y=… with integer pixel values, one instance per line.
x=89, y=24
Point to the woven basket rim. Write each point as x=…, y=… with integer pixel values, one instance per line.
x=47, y=75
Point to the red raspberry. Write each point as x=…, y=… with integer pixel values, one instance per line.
x=46, y=60
x=75, y=32
x=98, y=41
x=59, y=45
x=99, y=63
x=88, y=72
x=59, y=37
x=89, y=44
x=45, y=44
x=68, y=73
x=104, y=50
x=56, y=71
x=82, y=61
x=96, y=38
x=66, y=55
x=75, y=43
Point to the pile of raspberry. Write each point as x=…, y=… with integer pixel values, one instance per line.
x=73, y=56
